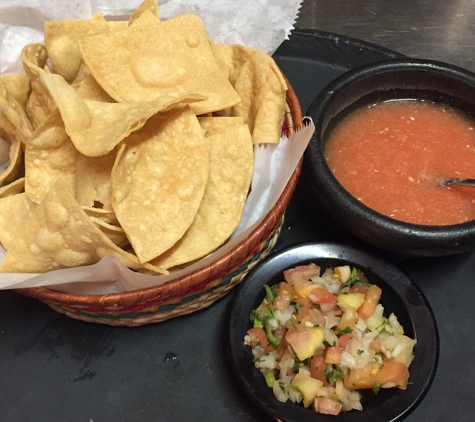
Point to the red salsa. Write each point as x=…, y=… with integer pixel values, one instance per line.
x=392, y=156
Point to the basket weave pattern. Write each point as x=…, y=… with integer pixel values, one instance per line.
x=193, y=291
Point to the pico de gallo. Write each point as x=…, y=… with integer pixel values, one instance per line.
x=319, y=338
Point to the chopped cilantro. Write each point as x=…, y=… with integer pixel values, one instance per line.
x=354, y=279
x=333, y=372
x=381, y=353
x=376, y=387
x=295, y=366
x=269, y=293
x=346, y=330
x=270, y=378
x=326, y=344
x=298, y=306
x=282, y=386
x=275, y=290
x=360, y=352
x=375, y=360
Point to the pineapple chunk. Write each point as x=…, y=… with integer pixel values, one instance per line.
x=308, y=386
x=305, y=341
x=353, y=300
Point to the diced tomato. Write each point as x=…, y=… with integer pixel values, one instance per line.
x=300, y=274
x=306, y=303
x=330, y=307
x=279, y=333
x=333, y=354
x=368, y=307
x=344, y=340
x=284, y=296
x=388, y=374
x=359, y=289
x=258, y=335
x=314, y=317
x=375, y=345
x=317, y=369
x=321, y=295
x=327, y=406
x=393, y=373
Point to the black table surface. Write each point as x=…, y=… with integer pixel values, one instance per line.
x=54, y=368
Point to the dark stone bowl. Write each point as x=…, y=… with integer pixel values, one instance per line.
x=393, y=79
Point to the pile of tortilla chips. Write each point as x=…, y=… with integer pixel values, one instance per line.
x=131, y=138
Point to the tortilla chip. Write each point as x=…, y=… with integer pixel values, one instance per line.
x=158, y=182
x=49, y=156
x=54, y=234
x=168, y=58
x=231, y=163
x=262, y=88
x=18, y=86
x=93, y=180
x=98, y=16
x=15, y=114
x=147, y=7
x=213, y=125
x=89, y=89
x=13, y=188
x=115, y=233
x=96, y=128
x=231, y=58
x=40, y=104
x=61, y=39
x=11, y=171
x=106, y=215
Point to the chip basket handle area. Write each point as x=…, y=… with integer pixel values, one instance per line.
x=193, y=291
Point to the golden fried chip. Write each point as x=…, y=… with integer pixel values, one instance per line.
x=10, y=172
x=93, y=180
x=158, y=182
x=168, y=58
x=262, y=88
x=89, y=89
x=54, y=234
x=115, y=233
x=40, y=104
x=231, y=58
x=98, y=16
x=7, y=130
x=106, y=215
x=61, y=39
x=13, y=188
x=49, y=156
x=231, y=163
x=213, y=125
x=18, y=86
x=96, y=128
x=147, y=7
x=15, y=114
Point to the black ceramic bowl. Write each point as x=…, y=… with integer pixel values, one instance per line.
x=400, y=295
x=394, y=79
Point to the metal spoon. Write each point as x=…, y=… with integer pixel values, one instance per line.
x=457, y=181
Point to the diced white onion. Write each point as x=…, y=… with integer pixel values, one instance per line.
x=266, y=362
x=332, y=320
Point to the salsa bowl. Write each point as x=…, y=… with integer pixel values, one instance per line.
x=399, y=296
x=398, y=79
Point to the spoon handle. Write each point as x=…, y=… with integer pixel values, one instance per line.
x=457, y=181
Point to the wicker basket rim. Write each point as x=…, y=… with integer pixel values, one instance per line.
x=188, y=280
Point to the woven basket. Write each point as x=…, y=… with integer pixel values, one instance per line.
x=193, y=291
